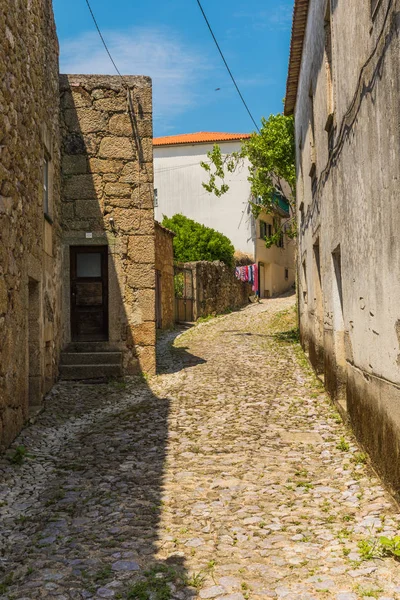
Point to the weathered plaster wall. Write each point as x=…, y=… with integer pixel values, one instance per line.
x=275, y=262
x=351, y=221
x=216, y=288
x=108, y=174
x=164, y=262
x=29, y=245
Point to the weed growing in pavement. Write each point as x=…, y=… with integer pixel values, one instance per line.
x=155, y=585
x=343, y=445
x=196, y=580
x=359, y=458
x=103, y=575
x=7, y=581
x=19, y=455
x=367, y=592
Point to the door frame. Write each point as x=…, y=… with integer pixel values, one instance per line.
x=73, y=251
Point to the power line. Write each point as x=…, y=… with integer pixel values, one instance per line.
x=226, y=65
x=104, y=43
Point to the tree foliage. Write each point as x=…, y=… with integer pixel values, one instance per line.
x=271, y=154
x=194, y=241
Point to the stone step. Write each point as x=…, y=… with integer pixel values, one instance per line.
x=92, y=347
x=82, y=372
x=91, y=358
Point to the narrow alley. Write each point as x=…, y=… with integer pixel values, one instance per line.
x=229, y=475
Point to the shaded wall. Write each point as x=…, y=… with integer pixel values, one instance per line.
x=164, y=262
x=349, y=247
x=107, y=199
x=29, y=240
x=216, y=288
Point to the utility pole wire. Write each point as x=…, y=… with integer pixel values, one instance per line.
x=226, y=65
x=104, y=43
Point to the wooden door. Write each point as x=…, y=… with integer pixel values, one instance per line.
x=89, y=293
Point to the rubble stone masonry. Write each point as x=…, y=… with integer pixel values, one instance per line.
x=164, y=262
x=29, y=240
x=107, y=199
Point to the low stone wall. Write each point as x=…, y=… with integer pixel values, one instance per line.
x=165, y=301
x=216, y=288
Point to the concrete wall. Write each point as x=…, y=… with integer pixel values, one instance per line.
x=165, y=266
x=29, y=244
x=108, y=174
x=276, y=265
x=216, y=288
x=178, y=177
x=349, y=245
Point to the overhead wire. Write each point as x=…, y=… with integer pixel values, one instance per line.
x=104, y=43
x=227, y=66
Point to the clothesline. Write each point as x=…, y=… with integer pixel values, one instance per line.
x=248, y=273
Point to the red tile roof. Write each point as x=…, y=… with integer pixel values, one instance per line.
x=199, y=138
x=300, y=15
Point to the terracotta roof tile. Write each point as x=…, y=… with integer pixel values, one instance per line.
x=199, y=138
x=300, y=15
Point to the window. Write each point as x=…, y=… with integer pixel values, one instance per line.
x=286, y=273
x=155, y=197
x=304, y=282
x=265, y=230
x=46, y=179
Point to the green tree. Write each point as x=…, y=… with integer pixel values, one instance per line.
x=272, y=172
x=194, y=241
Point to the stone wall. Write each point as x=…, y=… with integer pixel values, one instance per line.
x=29, y=241
x=165, y=267
x=107, y=199
x=216, y=288
x=349, y=218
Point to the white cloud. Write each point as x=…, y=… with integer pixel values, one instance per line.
x=175, y=68
x=279, y=17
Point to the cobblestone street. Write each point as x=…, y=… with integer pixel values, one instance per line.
x=229, y=475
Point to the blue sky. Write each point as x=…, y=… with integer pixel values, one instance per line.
x=169, y=41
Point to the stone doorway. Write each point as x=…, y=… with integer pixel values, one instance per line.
x=89, y=293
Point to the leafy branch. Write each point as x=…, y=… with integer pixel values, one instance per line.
x=272, y=172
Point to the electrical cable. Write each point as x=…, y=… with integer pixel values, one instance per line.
x=104, y=44
x=226, y=65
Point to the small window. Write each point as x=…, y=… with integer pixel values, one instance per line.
x=304, y=282
x=46, y=170
x=281, y=241
x=155, y=197
x=263, y=230
x=286, y=273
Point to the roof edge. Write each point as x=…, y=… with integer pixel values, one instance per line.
x=187, y=138
x=300, y=14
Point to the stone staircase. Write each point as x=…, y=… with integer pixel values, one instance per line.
x=90, y=361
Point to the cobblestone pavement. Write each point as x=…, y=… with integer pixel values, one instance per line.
x=229, y=476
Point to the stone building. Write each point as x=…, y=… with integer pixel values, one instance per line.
x=30, y=228
x=108, y=222
x=344, y=89
x=164, y=264
x=77, y=247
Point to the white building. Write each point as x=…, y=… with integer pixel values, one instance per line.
x=178, y=178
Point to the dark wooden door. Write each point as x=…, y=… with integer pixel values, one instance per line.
x=89, y=293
